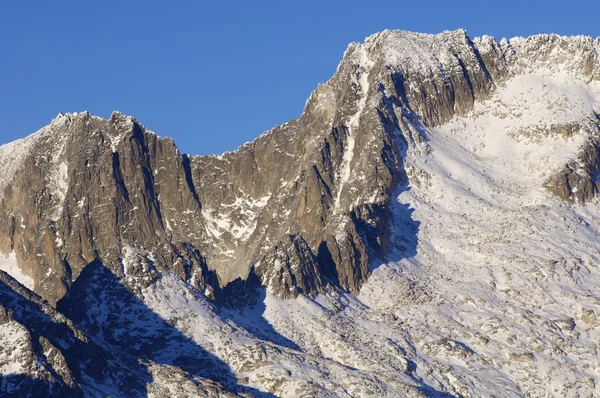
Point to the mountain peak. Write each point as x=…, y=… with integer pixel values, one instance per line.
x=425, y=53
x=410, y=50
x=435, y=184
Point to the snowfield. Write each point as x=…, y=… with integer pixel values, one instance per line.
x=9, y=265
x=494, y=289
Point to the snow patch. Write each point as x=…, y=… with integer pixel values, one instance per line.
x=9, y=265
x=238, y=218
x=365, y=64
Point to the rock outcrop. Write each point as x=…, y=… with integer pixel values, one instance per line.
x=306, y=206
x=158, y=273
x=45, y=354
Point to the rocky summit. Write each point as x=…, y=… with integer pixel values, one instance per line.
x=427, y=227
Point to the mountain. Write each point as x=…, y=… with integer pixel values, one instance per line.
x=427, y=227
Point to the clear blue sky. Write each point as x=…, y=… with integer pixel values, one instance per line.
x=213, y=75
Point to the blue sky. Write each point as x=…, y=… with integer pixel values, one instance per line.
x=214, y=75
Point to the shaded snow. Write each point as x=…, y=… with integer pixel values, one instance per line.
x=500, y=295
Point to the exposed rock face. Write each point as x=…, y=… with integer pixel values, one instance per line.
x=130, y=239
x=307, y=204
x=578, y=180
x=87, y=188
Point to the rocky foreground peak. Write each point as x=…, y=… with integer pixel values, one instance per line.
x=444, y=125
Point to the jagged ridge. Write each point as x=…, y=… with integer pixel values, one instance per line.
x=306, y=208
x=306, y=205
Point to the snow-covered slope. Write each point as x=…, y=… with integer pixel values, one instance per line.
x=492, y=288
x=449, y=184
x=500, y=294
x=170, y=324
x=9, y=265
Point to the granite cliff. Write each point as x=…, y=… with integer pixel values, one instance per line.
x=310, y=208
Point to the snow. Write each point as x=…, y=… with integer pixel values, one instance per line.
x=9, y=265
x=16, y=348
x=58, y=181
x=555, y=54
x=58, y=240
x=365, y=64
x=123, y=124
x=493, y=300
x=513, y=139
x=114, y=142
x=418, y=52
x=499, y=260
x=265, y=361
x=508, y=142
x=492, y=289
x=238, y=218
x=62, y=181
